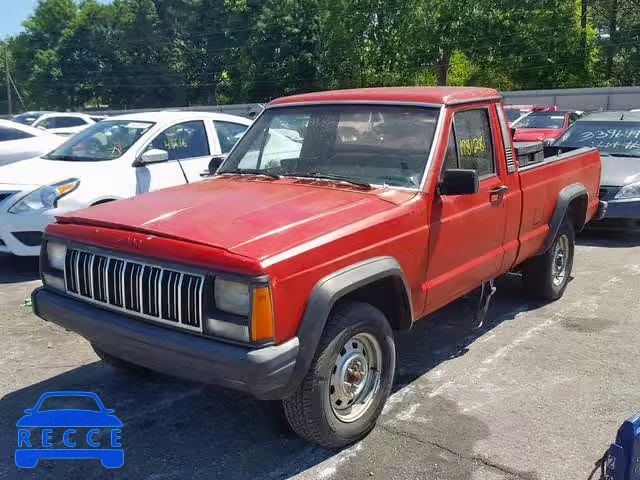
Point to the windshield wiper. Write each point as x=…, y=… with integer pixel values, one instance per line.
x=621, y=155
x=250, y=171
x=67, y=158
x=328, y=176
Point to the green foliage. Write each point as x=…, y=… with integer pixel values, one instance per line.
x=148, y=53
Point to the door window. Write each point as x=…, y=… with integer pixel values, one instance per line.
x=185, y=140
x=228, y=134
x=470, y=145
x=7, y=133
x=61, y=122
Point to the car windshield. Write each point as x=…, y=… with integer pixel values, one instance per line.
x=541, y=120
x=514, y=113
x=105, y=140
x=69, y=402
x=611, y=137
x=27, y=118
x=382, y=145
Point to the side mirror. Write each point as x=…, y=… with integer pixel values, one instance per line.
x=154, y=155
x=214, y=164
x=513, y=132
x=29, y=410
x=459, y=182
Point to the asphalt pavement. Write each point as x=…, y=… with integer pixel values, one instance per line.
x=538, y=393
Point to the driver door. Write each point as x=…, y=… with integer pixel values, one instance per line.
x=187, y=145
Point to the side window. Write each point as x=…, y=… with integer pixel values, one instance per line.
x=66, y=122
x=473, y=139
x=185, y=140
x=229, y=134
x=573, y=117
x=451, y=157
x=7, y=134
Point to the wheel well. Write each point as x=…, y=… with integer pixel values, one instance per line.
x=388, y=295
x=577, y=211
x=100, y=202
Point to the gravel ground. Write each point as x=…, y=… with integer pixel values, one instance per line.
x=538, y=393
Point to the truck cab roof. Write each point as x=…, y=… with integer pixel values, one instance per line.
x=396, y=95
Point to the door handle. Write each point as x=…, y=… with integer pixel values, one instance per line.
x=501, y=190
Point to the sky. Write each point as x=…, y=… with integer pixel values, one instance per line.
x=14, y=12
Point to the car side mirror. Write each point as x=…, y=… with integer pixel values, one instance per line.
x=155, y=155
x=513, y=132
x=29, y=410
x=214, y=165
x=459, y=181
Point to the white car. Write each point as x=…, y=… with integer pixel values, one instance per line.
x=19, y=142
x=61, y=123
x=113, y=159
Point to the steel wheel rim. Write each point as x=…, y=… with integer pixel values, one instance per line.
x=355, y=377
x=560, y=260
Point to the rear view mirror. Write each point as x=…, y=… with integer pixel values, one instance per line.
x=154, y=155
x=459, y=182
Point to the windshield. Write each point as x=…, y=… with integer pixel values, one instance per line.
x=105, y=140
x=69, y=402
x=27, y=118
x=514, y=113
x=548, y=120
x=614, y=137
x=383, y=145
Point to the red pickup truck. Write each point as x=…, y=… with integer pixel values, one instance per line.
x=338, y=219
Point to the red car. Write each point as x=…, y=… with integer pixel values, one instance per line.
x=286, y=274
x=543, y=126
x=515, y=112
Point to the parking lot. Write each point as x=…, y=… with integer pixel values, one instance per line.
x=538, y=393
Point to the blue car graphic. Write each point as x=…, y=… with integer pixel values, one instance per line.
x=99, y=419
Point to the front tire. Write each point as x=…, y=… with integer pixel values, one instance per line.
x=546, y=277
x=349, y=381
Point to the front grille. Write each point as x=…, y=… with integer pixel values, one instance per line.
x=30, y=239
x=607, y=193
x=143, y=290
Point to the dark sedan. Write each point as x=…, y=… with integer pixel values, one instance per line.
x=617, y=136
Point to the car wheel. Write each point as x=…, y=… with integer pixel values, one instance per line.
x=547, y=276
x=349, y=381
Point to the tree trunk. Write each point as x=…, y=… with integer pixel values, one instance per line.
x=613, y=26
x=583, y=30
x=442, y=68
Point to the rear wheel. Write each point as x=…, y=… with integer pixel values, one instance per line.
x=547, y=276
x=342, y=395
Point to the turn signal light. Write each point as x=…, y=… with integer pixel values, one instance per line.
x=262, y=327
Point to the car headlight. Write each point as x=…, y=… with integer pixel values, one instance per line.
x=250, y=309
x=46, y=197
x=629, y=191
x=232, y=297
x=56, y=253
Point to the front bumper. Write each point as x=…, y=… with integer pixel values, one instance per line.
x=623, y=209
x=265, y=372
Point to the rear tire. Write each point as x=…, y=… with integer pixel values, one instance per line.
x=546, y=276
x=118, y=363
x=349, y=381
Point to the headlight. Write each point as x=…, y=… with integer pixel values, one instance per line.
x=232, y=297
x=45, y=198
x=251, y=312
x=630, y=191
x=56, y=253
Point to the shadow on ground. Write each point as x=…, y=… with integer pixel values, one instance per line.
x=18, y=269
x=175, y=429
x=609, y=238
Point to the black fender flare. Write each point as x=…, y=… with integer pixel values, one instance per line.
x=323, y=297
x=565, y=197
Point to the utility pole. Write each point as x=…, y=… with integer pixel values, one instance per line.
x=8, y=80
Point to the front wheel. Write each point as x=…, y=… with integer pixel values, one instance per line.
x=547, y=276
x=342, y=395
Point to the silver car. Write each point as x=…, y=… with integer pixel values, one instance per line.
x=617, y=136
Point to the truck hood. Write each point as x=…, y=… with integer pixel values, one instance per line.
x=249, y=216
x=619, y=171
x=536, y=134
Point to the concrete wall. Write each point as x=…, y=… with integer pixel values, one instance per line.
x=588, y=99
